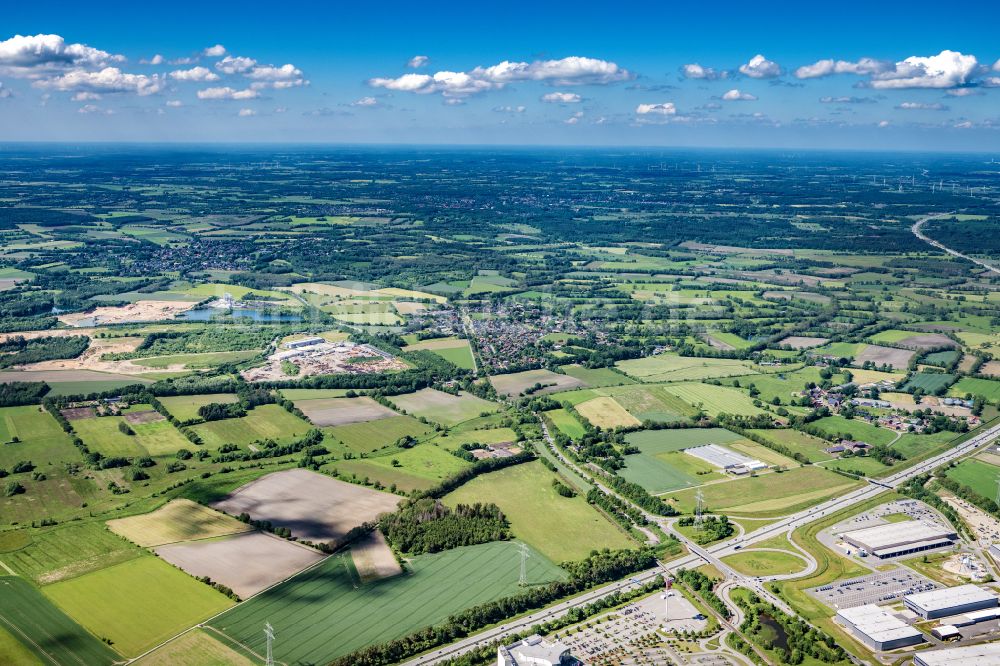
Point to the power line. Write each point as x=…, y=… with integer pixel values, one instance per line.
x=269, y=634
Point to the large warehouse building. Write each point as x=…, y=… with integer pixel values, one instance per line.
x=987, y=654
x=878, y=628
x=950, y=601
x=895, y=539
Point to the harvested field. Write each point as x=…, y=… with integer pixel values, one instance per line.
x=605, y=413
x=69, y=376
x=442, y=407
x=991, y=368
x=897, y=358
x=77, y=413
x=667, y=368
x=341, y=411
x=927, y=341
x=373, y=558
x=515, y=383
x=313, y=506
x=803, y=342
x=178, y=520
x=196, y=648
x=145, y=416
x=245, y=563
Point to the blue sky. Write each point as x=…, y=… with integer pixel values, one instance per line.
x=845, y=75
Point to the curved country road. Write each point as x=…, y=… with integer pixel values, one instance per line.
x=919, y=234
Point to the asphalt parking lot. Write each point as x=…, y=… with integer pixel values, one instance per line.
x=877, y=588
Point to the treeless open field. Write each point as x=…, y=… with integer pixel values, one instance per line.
x=373, y=558
x=311, y=505
x=928, y=341
x=991, y=368
x=515, y=383
x=803, y=342
x=341, y=411
x=442, y=407
x=879, y=355
x=127, y=314
x=245, y=563
x=604, y=412
x=177, y=520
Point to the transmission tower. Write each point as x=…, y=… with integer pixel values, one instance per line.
x=269, y=634
x=699, y=507
x=523, y=579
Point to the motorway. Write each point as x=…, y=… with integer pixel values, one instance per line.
x=711, y=555
x=955, y=253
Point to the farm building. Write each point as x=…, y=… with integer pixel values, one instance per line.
x=878, y=628
x=893, y=540
x=534, y=651
x=987, y=654
x=724, y=458
x=950, y=601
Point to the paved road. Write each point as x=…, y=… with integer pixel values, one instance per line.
x=919, y=234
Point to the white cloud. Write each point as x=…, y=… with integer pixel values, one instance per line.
x=948, y=69
x=235, y=65
x=85, y=97
x=966, y=124
x=963, y=92
x=921, y=106
x=561, y=98
x=244, y=113
x=996, y=66
x=760, y=67
x=510, y=109
x=454, y=101
x=846, y=100
x=365, y=101
x=155, y=60
x=574, y=119
x=417, y=61
x=696, y=71
x=883, y=123
x=829, y=66
x=214, y=51
x=735, y=95
x=199, y=74
x=225, y=92
x=92, y=108
x=574, y=70
x=5, y=92
x=107, y=80
x=32, y=56
x=269, y=76
x=991, y=82
x=175, y=103
x=661, y=109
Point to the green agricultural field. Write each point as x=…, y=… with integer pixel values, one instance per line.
x=856, y=429
x=987, y=389
x=838, y=349
x=769, y=495
x=715, y=400
x=312, y=394
x=64, y=551
x=197, y=361
x=597, y=377
x=930, y=382
x=660, y=466
x=185, y=407
x=566, y=423
x=667, y=367
x=41, y=440
x=864, y=464
x=373, y=435
x=92, y=386
x=941, y=359
x=784, y=386
x=263, y=422
x=417, y=468
x=978, y=475
x=561, y=528
x=326, y=612
x=138, y=603
x=44, y=631
x=486, y=435
x=453, y=350
x=443, y=408
x=12, y=651
x=799, y=442
x=649, y=402
x=765, y=562
x=150, y=439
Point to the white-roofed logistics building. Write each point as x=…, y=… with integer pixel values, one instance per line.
x=987, y=654
x=534, y=651
x=950, y=601
x=895, y=539
x=878, y=628
x=720, y=456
